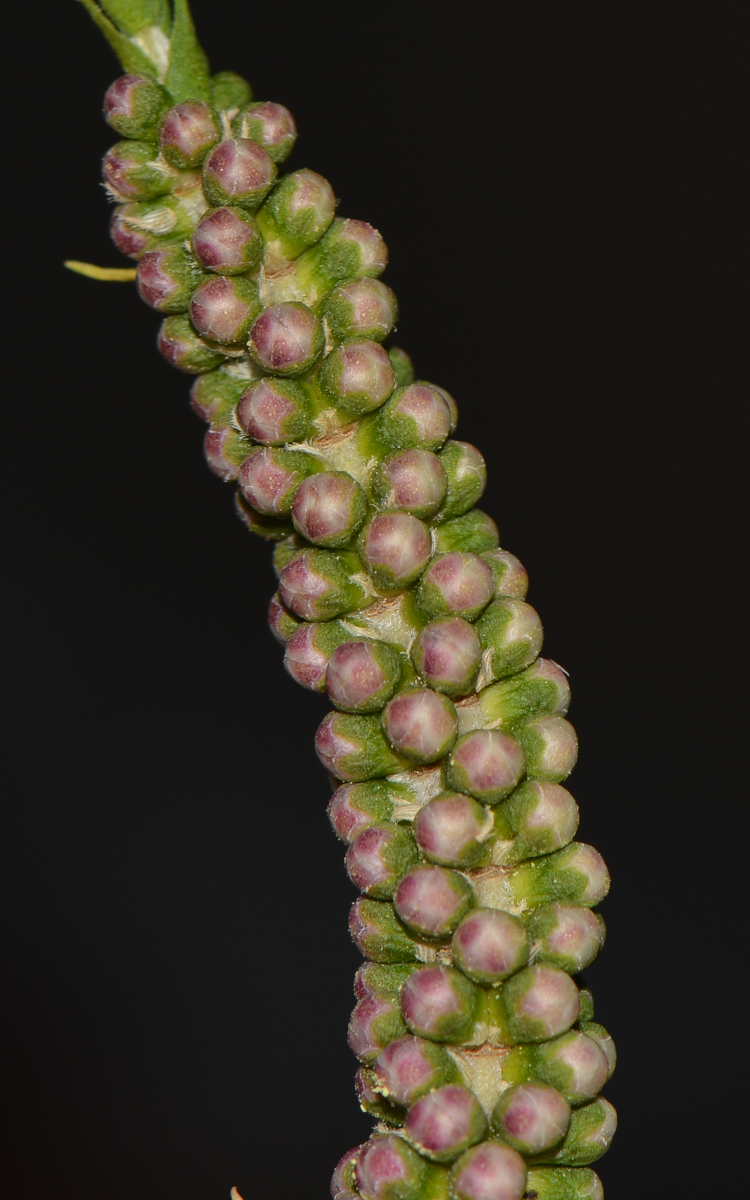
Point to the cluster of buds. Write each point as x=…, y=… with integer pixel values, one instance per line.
x=448, y=735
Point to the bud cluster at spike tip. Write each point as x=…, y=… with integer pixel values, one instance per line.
x=447, y=733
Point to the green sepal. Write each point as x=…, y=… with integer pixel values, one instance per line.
x=603, y=1039
x=131, y=57
x=548, y=879
x=475, y=533
x=188, y=74
x=370, y=1100
x=285, y=552
x=563, y=1183
x=521, y=698
x=229, y=90
x=387, y=940
x=591, y=1130
x=386, y=979
x=586, y=1015
x=403, y=368
x=131, y=16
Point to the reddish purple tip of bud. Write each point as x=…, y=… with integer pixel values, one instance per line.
x=286, y=338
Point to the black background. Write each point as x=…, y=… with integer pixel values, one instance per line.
x=559, y=188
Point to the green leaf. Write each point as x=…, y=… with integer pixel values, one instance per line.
x=188, y=76
x=131, y=16
x=131, y=58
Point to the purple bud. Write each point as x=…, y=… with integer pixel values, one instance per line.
x=274, y=411
x=286, y=339
x=410, y=1068
x=343, y=1182
x=531, y=1117
x=467, y=478
x=270, y=125
x=166, y=278
x=308, y=651
x=223, y=309
x=439, y=1003
x=364, y=308
x=227, y=241
x=184, y=349
x=445, y=1123
x=353, y=748
x=355, y=806
x=281, y=622
x=551, y=748
x=511, y=577
x=456, y=584
x=362, y=676
x=375, y=1022
x=133, y=105
x=329, y=508
x=413, y=482
x=377, y=932
x=317, y=585
x=357, y=376
x=542, y=816
x=576, y=1064
x=539, y=1002
x=187, y=133
x=512, y=633
x=451, y=830
x=415, y=416
x=270, y=477
x=421, y=724
x=490, y=1171
x=348, y=250
x=378, y=858
x=128, y=238
x=388, y=1169
x=395, y=548
x=486, y=764
x=225, y=450
x=447, y=654
x=489, y=945
x=432, y=900
x=566, y=935
x=239, y=172
x=131, y=172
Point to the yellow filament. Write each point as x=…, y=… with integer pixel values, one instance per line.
x=108, y=274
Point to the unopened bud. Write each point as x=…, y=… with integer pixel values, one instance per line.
x=377, y=932
x=388, y=1169
x=229, y=90
x=286, y=339
x=452, y=406
x=376, y=979
x=451, y=830
x=318, y=585
x=511, y=635
x=551, y=748
x=348, y=250
x=589, y=1135
x=538, y=1003
x=329, y=508
x=145, y=225
x=485, y=764
x=467, y=478
x=395, y=548
x=295, y=216
x=357, y=376
x=564, y=1183
x=403, y=367
x=238, y=171
x=447, y=654
x=541, y=689
x=309, y=650
x=214, y=395
x=187, y=133
x=363, y=675
x=476, y=533
x=270, y=125
x=432, y=900
x=225, y=450
x=575, y=1064
x=378, y=858
x=355, y=806
x=439, y=1003
x=270, y=477
x=133, y=105
x=364, y=308
x=445, y=1123
x=511, y=577
x=275, y=411
x=375, y=1022
x=413, y=481
x=489, y=945
x=184, y=349
x=411, y=1068
x=420, y=724
x=456, y=584
x=272, y=529
x=282, y=623
x=416, y=416
x=577, y=875
x=227, y=241
x=542, y=817
x=566, y=935
x=371, y=1101
x=531, y=1117
x=224, y=308
x=166, y=278
x=489, y=1171
x=354, y=748
x=131, y=171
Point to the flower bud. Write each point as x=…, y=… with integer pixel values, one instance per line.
x=411, y=1068
x=541, y=689
x=485, y=764
x=412, y=482
x=329, y=508
x=270, y=125
x=353, y=748
x=511, y=577
x=551, y=748
x=133, y=105
x=597, y=1033
x=223, y=309
x=440, y=1004
x=420, y=724
x=370, y=1101
x=575, y=1064
x=415, y=416
x=489, y=945
x=377, y=932
x=577, y=874
x=403, y=368
x=355, y=806
x=452, y=406
x=225, y=450
x=318, y=585
x=229, y=90
x=357, y=376
x=281, y=622
x=395, y=548
x=432, y=900
x=542, y=817
x=511, y=634
x=363, y=675
x=308, y=651
x=166, y=278
x=447, y=654
x=227, y=241
x=375, y=1023
x=275, y=411
x=184, y=349
x=286, y=339
x=378, y=857
x=445, y=1123
x=343, y=1182
x=143, y=225
x=348, y=250
x=288, y=549
x=131, y=171
x=451, y=830
x=490, y=1171
x=566, y=935
x=272, y=529
x=563, y=1183
x=587, y=1006
x=531, y=1117
x=270, y=477
x=388, y=1169
x=214, y=395
x=467, y=478
x=364, y=308
x=589, y=1135
x=476, y=533
x=456, y=584
x=238, y=172
x=187, y=133
x=538, y=1003
x=376, y=979
x=295, y=216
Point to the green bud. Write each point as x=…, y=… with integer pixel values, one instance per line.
x=511, y=577
x=364, y=308
x=589, y=1136
x=352, y=747
x=551, y=748
x=372, y=1102
x=131, y=171
x=475, y=533
x=563, y=1183
x=286, y=550
x=295, y=216
x=467, y=478
x=270, y=125
x=348, y=250
x=541, y=818
x=599, y=1034
x=403, y=368
x=378, y=933
x=587, y=1006
x=575, y=1064
x=568, y=936
x=133, y=105
x=272, y=529
x=355, y=806
x=577, y=874
x=319, y=584
x=229, y=91
x=536, y=1004
x=511, y=635
x=181, y=346
x=214, y=395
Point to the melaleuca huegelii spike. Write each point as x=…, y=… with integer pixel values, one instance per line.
x=480, y=1061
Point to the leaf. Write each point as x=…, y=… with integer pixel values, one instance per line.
x=131, y=58
x=131, y=16
x=188, y=76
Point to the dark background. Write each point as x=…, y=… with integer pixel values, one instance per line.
x=559, y=188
